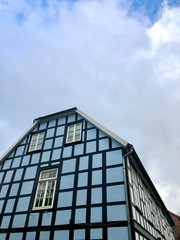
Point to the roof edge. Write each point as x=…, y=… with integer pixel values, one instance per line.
x=51, y=116
x=102, y=128
x=17, y=142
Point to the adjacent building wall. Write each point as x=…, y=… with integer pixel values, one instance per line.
x=176, y=229
x=147, y=213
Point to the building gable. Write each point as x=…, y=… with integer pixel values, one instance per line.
x=45, y=177
x=70, y=178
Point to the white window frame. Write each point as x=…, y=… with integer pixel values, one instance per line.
x=74, y=126
x=47, y=183
x=36, y=141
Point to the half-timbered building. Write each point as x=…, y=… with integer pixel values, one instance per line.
x=70, y=178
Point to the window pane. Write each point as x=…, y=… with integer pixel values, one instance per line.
x=25, y=160
x=43, y=125
x=44, y=235
x=49, y=193
x=114, y=174
x=3, y=236
x=16, y=162
x=80, y=215
x=70, y=133
x=97, y=177
x=40, y=194
x=23, y=204
x=63, y=234
x=30, y=236
x=71, y=118
x=63, y=217
x=4, y=190
x=34, y=137
x=52, y=123
x=60, y=131
x=1, y=205
x=91, y=147
x=69, y=166
x=113, y=157
x=65, y=199
x=30, y=172
x=71, y=128
x=9, y=206
x=115, y=193
x=48, y=174
x=46, y=219
x=67, y=181
x=116, y=213
x=45, y=156
x=81, y=197
x=5, y=221
x=78, y=135
x=14, y=189
x=58, y=142
x=19, y=220
x=79, y=234
x=91, y=134
x=7, y=164
x=97, y=160
x=82, y=179
x=96, y=233
x=115, y=232
x=8, y=176
x=83, y=163
x=16, y=236
x=35, y=158
x=50, y=133
x=103, y=144
x=78, y=126
x=96, y=214
x=56, y=154
x=27, y=187
x=96, y=195
x=47, y=145
x=78, y=149
x=70, y=138
x=67, y=151
x=33, y=219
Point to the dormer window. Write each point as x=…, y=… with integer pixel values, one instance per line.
x=74, y=133
x=36, y=141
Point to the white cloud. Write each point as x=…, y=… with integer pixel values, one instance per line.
x=93, y=55
x=166, y=30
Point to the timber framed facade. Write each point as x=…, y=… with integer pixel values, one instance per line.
x=70, y=178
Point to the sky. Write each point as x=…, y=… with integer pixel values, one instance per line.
x=118, y=61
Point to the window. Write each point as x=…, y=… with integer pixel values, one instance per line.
x=36, y=141
x=46, y=189
x=74, y=133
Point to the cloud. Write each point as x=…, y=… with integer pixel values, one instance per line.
x=95, y=55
